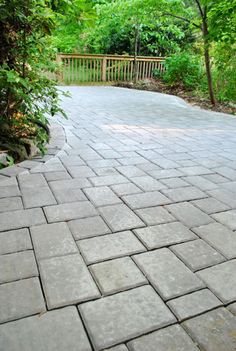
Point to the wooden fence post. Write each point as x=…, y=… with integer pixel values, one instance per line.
x=104, y=69
x=59, y=74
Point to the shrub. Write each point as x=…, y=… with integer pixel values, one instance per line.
x=183, y=69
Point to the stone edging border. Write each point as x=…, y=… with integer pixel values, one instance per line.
x=56, y=143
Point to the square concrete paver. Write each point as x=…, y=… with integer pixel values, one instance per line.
x=101, y=196
x=155, y=215
x=189, y=215
x=219, y=237
x=20, y=299
x=58, y=330
x=88, y=227
x=191, y=305
x=117, y=275
x=110, y=246
x=15, y=240
x=213, y=331
x=120, y=217
x=172, y=338
x=148, y=199
x=197, y=254
x=123, y=316
x=66, y=281
x=52, y=240
x=16, y=266
x=168, y=275
x=164, y=235
x=227, y=218
x=66, y=212
x=221, y=280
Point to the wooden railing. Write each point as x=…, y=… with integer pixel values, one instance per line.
x=78, y=68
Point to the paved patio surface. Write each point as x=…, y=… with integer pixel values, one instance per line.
x=125, y=240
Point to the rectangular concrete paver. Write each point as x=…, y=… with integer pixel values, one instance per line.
x=52, y=240
x=148, y=199
x=188, y=214
x=197, y=254
x=125, y=189
x=213, y=331
x=147, y=183
x=210, y=205
x=20, y=299
x=66, y=212
x=168, y=275
x=10, y=204
x=14, y=241
x=117, y=275
x=17, y=266
x=102, y=196
x=172, y=338
x=221, y=279
x=120, y=217
x=88, y=227
x=110, y=246
x=228, y=218
x=108, y=180
x=220, y=237
x=193, y=304
x=164, y=235
x=155, y=215
x=22, y=218
x=184, y=194
x=58, y=330
x=66, y=281
x=123, y=316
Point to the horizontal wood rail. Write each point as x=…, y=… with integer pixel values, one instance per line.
x=78, y=68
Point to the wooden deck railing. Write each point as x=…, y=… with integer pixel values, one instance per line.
x=78, y=68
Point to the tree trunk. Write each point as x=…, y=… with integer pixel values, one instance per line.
x=208, y=61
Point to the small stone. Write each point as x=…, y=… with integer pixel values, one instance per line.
x=15, y=240
x=164, y=235
x=221, y=279
x=172, y=338
x=88, y=227
x=197, y=254
x=120, y=317
x=52, y=240
x=155, y=215
x=57, y=330
x=66, y=212
x=17, y=266
x=213, y=331
x=117, y=275
x=110, y=246
x=101, y=196
x=168, y=275
x=120, y=217
x=20, y=299
x=191, y=305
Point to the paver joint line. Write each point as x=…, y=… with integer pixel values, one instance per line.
x=123, y=238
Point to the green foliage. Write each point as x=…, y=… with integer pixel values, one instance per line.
x=28, y=97
x=183, y=69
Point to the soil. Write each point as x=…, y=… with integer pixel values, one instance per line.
x=189, y=96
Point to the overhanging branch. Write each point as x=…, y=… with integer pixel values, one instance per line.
x=182, y=19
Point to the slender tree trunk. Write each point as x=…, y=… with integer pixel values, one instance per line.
x=208, y=62
x=136, y=40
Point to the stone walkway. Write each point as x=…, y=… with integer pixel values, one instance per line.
x=125, y=240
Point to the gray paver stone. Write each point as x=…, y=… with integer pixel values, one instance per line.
x=184, y=194
x=52, y=240
x=221, y=279
x=21, y=218
x=213, y=331
x=17, y=266
x=123, y=316
x=190, y=305
x=20, y=299
x=210, y=205
x=148, y=183
x=164, y=235
x=110, y=246
x=125, y=189
x=197, y=254
x=66, y=212
x=10, y=204
x=155, y=215
x=101, y=196
x=108, y=180
x=117, y=275
x=15, y=240
x=66, y=281
x=169, y=276
x=227, y=218
x=172, y=338
x=148, y=199
x=58, y=330
x=88, y=227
